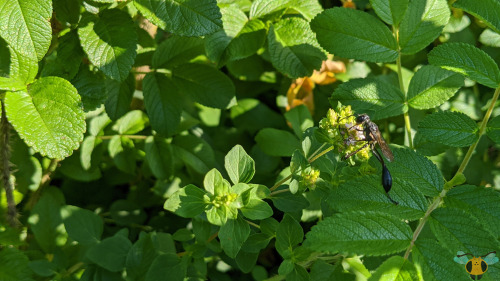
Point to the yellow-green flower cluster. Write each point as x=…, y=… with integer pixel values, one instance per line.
x=341, y=128
x=226, y=199
x=309, y=177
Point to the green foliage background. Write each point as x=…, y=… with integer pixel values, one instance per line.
x=174, y=156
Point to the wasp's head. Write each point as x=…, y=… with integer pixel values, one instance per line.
x=362, y=118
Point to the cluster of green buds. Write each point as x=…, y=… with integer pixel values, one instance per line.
x=309, y=177
x=341, y=128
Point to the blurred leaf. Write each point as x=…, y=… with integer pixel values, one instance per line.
x=423, y=22
x=288, y=235
x=293, y=48
x=119, y=96
x=484, y=10
x=48, y=116
x=253, y=115
x=82, y=225
x=232, y=235
x=177, y=50
x=369, y=39
x=91, y=87
x=68, y=59
x=205, y=84
x=239, y=39
x=395, y=268
x=467, y=60
x=300, y=118
x=125, y=212
x=194, y=152
x=131, y=123
x=239, y=165
x=166, y=265
x=121, y=149
x=14, y=265
x=28, y=171
x=490, y=38
x=371, y=95
x=67, y=11
x=110, y=253
x=368, y=233
x=246, y=261
x=163, y=103
x=449, y=128
x=277, y=142
x=288, y=202
x=457, y=23
x=110, y=42
x=178, y=16
x=187, y=202
x=390, y=11
x=366, y=193
x=431, y=86
x=160, y=157
x=46, y=221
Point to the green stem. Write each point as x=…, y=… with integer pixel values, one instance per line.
x=253, y=224
x=437, y=201
x=278, y=192
x=482, y=128
x=137, y=137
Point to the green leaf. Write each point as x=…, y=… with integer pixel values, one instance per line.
x=160, y=157
x=163, y=103
x=299, y=273
x=454, y=228
x=215, y=184
x=16, y=69
x=46, y=222
x=277, y=142
x=86, y=151
x=131, y=123
x=451, y=128
x=48, y=117
x=110, y=253
x=416, y=169
x=187, y=202
x=261, y=8
x=166, y=265
x=395, y=268
x=14, y=265
x=300, y=118
x=293, y=48
x=371, y=95
x=366, y=193
x=288, y=202
x=126, y=212
x=67, y=11
x=26, y=26
x=369, y=39
x=178, y=16
x=256, y=242
x=253, y=115
x=423, y=21
x=246, y=261
x=239, y=39
x=288, y=235
x=43, y=267
x=437, y=261
x=308, y=9
x=119, y=96
x=232, y=235
x=239, y=165
x=467, y=60
x=490, y=38
x=73, y=166
x=82, y=225
x=431, y=86
x=368, y=233
x=121, y=149
x=91, y=87
x=390, y=11
x=204, y=84
x=28, y=171
x=110, y=42
x=194, y=152
x=485, y=11
x=177, y=50
x=493, y=129
x=220, y=215
x=257, y=209
x=483, y=203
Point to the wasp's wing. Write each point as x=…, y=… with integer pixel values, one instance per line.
x=383, y=145
x=491, y=259
x=461, y=260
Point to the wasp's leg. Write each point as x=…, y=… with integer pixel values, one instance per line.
x=354, y=152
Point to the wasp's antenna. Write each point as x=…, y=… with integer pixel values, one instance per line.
x=494, y=252
x=466, y=255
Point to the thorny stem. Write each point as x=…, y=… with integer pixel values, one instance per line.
x=402, y=87
x=5, y=157
x=437, y=201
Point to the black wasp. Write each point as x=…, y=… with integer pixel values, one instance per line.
x=372, y=136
